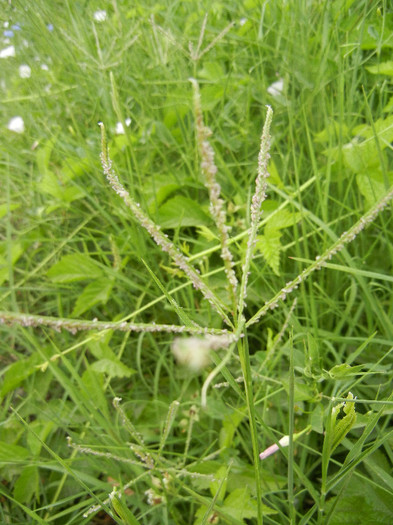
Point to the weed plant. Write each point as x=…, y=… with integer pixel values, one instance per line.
x=206, y=335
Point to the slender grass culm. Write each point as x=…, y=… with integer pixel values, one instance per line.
x=196, y=310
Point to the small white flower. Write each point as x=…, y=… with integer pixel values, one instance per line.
x=276, y=88
x=100, y=15
x=7, y=52
x=242, y=21
x=24, y=71
x=120, y=127
x=16, y=124
x=192, y=352
x=44, y=67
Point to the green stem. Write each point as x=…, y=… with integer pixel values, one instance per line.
x=246, y=369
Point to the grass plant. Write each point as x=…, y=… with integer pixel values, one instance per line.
x=193, y=332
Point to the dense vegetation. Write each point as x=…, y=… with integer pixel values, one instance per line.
x=101, y=423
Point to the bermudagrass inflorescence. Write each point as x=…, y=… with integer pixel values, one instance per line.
x=205, y=339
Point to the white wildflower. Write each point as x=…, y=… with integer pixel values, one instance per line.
x=24, y=71
x=120, y=127
x=16, y=124
x=276, y=88
x=100, y=15
x=192, y=352
x=7, y=52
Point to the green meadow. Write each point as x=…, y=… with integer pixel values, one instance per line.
x=196, y=262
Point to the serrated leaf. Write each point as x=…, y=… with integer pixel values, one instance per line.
x=75, y=267
x=27, y=485
x=270, y=246
x=182, y=211
x=96, y=292
x=112, y=368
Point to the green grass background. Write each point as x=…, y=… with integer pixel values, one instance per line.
x=333, y=57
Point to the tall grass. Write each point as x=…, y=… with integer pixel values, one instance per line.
x=170, y=352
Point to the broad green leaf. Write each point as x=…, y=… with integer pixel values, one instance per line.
x=332, y=132
x=71, y=194
x=212, y=71
x=27, y=485
x=344, y=370
x=16, y=251
x=229, y=426
x=270, y=246
x=316, y=418
x=302, y=391
x=218, y=487
x=5, y=207
x=240, y=505
x=74, y=167
x=161, y=195
x=212, y=95
x=282, y=219
x=313, y=362
x=361, y=503
x=383, y=68
x=18, y=372
x=274, y=175
x=94, y=386
x=181, y=211
x=43, y=155
x=75, y=267
x=112, y=368
x=12, y=453
x=360, y=156
x=51, y=185
x=101, y=349
x=372, y=186
x=41, y=429
x=207, y=469
x=96, y=292
x=337, y=430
